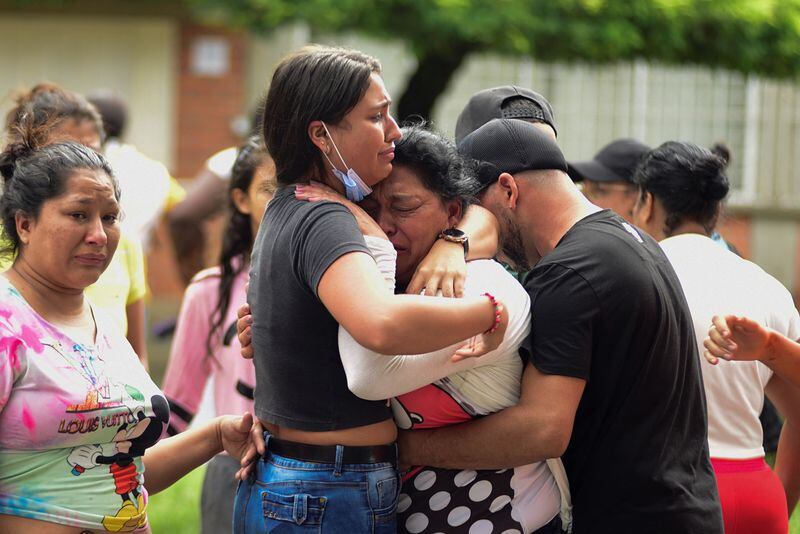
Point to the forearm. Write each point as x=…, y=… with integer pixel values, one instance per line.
x=375, y=376
x=174, y=457
x=482, y=229
x=412, y=324
x=787, y=462
x=783, y=357
x=475, y=445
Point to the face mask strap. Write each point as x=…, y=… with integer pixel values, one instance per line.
x=334, y=147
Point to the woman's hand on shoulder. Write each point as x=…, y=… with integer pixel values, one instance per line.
x=315, y=192
x=443, y=269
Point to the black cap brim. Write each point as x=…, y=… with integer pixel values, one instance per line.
x=592, y=170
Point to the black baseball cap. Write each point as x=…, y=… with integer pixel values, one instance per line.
x=511, y=146
x=616, y=162
x=488, y=104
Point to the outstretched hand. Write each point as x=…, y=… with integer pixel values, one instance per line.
x=485, y=342
x=736, y=338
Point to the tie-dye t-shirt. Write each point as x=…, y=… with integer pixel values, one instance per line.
x=74, y=422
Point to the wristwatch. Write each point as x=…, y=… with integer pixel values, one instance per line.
x=454, y=235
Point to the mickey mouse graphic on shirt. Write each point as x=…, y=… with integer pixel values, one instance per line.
x=129, y=442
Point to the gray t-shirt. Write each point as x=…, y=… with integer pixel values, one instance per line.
x=300, y=381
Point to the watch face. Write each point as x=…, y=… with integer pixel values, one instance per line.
x=454, y=232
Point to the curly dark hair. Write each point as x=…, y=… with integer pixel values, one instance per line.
x=438, y=164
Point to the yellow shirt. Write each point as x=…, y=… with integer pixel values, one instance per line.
x=122, y=283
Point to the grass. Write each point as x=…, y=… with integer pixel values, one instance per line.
x=177, y=510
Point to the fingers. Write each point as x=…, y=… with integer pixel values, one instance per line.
x=433, y=284
x=710, y=358
x=714, y=350
x=245, y=423
x=257, y=437
x=417, y=283
x=721, y=325
x=448, y=285
x=244, y=309
x=458, y=286
x=719, y=339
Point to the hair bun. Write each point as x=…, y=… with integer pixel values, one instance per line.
x=710, y=172
x=8, y=158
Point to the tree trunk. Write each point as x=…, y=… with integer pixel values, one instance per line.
x=433, y=74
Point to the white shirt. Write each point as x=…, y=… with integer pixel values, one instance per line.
x=718, y=282
x=144, y=183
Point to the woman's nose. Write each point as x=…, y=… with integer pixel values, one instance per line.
x=96, y=233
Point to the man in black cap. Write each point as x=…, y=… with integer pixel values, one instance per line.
x=608, y=178
x=613, y=383
x=506, y=102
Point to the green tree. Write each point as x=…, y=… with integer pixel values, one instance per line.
x=760, y=36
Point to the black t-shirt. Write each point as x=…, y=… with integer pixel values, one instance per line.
x=607, y=307
x=300, y=381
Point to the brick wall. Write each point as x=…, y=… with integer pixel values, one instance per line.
x=207, y=103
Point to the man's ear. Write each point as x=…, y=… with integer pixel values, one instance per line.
x=24, y=225
x=509, y=190
x=318, y=136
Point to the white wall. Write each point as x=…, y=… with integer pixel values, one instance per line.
x=134, y=56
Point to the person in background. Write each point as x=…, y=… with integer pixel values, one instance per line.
x=150, y=191
x=79, y=416
x=121, y=288
x=607, y=179
x=682, y=188
x=204, y=200
x=205, y=346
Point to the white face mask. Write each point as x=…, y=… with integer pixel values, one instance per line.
x=354, y=186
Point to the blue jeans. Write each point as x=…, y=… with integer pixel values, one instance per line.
x=294, y=496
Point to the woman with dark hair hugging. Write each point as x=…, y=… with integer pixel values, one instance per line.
x=79, y=415
x=330, y=464
x=426, y=193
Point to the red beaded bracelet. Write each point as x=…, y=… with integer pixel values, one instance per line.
x=496, y=305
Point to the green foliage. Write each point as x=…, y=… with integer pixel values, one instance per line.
x=747, y=35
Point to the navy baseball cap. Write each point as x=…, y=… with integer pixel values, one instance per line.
x=490, y=104
x=512, y=146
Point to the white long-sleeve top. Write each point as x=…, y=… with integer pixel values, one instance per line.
x=452, y=392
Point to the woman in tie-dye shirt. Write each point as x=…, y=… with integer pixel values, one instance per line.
x=79, y=416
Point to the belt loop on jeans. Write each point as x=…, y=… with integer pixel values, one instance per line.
x=337, y=467
x=267, y=435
